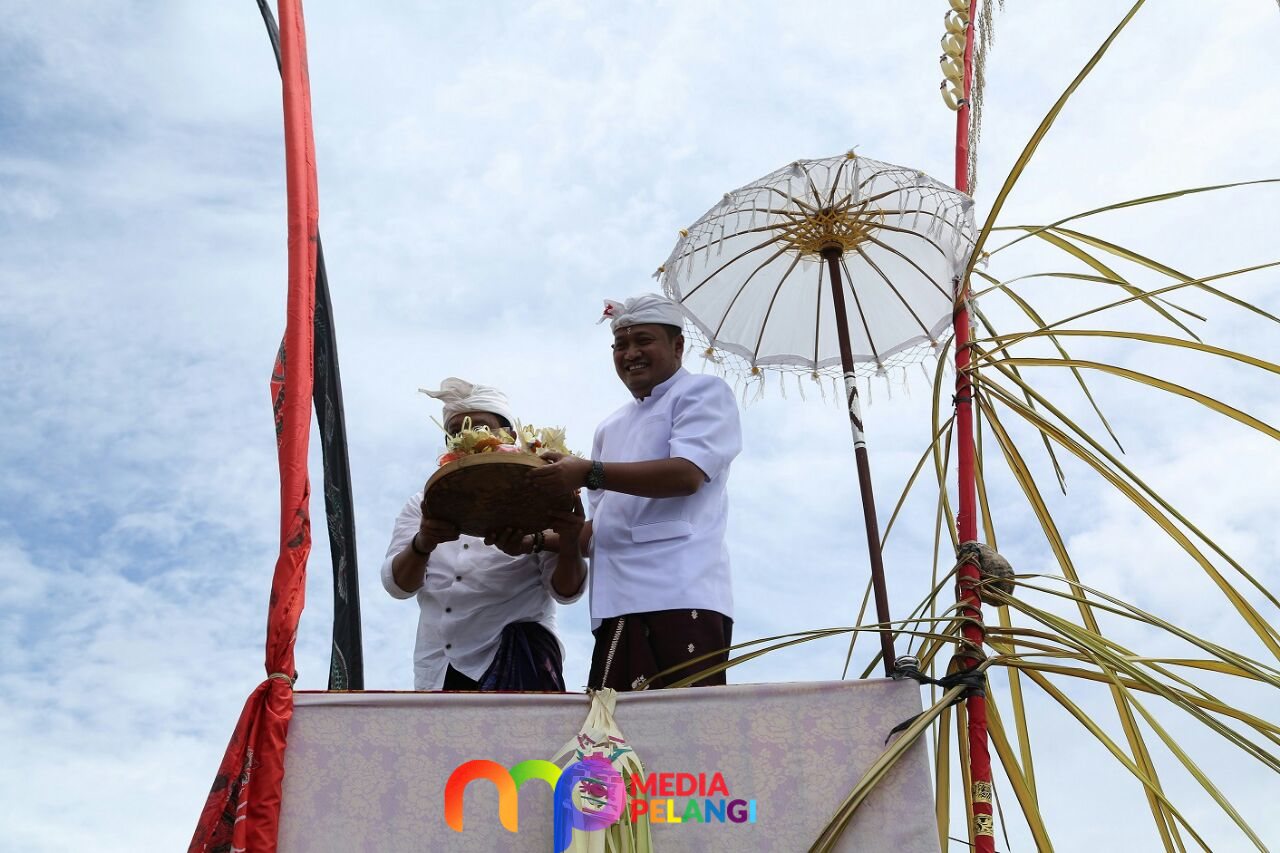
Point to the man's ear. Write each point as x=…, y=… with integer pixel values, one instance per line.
x=679, y=347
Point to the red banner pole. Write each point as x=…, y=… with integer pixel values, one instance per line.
x=243, y=809
x=983, y=826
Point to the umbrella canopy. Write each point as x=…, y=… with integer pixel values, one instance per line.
x=843, y=263
x=752, y=274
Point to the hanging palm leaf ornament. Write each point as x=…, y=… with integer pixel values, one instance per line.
x=850, y=265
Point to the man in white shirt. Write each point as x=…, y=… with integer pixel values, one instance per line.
x=660, y=585
x=487, y=619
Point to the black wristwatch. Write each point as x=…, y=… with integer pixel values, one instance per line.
x=595, y=477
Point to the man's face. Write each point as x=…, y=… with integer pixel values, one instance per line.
x=489, y=419
x=645, y=356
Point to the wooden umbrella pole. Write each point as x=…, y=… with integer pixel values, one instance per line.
x=832, y=256
x=967, y=576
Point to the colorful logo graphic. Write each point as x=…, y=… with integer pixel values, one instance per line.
x=600, y=791
x=601, y=796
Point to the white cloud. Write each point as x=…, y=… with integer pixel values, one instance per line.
x=487, y=175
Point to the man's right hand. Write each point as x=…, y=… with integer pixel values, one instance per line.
x=565, y=475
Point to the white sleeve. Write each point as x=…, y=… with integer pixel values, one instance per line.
x=548, y=567
x=705, y=428
x=406, y=528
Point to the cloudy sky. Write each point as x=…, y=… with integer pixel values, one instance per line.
x=488, y=173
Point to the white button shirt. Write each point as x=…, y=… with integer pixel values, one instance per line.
x=666, y=553
x=470, y=593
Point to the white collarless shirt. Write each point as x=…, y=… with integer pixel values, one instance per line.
x=666, y=553
x=470, y=593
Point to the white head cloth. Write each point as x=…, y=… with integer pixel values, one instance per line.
x=460, y=396
x=645, y=308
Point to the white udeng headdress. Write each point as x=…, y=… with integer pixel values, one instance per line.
x=645, y=308
x=459, y=396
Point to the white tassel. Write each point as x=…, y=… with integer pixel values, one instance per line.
x=817, y=380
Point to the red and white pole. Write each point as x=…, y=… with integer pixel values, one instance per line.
x=983, y=827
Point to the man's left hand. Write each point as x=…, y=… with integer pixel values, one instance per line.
x=511, y=542
x=565, y=474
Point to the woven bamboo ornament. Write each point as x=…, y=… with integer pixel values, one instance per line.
x=489, y=492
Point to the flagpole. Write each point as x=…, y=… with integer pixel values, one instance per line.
x=982, y=819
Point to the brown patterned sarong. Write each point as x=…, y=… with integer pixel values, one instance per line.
x=632, y=648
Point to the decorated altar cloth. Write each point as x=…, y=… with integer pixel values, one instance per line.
x=367, y=771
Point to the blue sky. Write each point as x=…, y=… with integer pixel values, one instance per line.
x=489, y=173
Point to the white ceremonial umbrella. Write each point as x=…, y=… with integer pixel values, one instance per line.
x=844, y=263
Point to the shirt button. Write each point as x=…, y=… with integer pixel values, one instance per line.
x=457, y=577
x=448, y=610
x=466, y=545
x=448, y=645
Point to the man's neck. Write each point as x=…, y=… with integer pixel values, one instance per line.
x=654, y=387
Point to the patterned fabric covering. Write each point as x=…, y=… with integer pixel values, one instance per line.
x=366, y=772
x=528, y=658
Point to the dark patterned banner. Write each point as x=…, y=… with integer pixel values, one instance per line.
x=346, y=663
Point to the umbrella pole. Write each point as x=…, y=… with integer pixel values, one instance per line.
x=967, y=576
x=832, y=257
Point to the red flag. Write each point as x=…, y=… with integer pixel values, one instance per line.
x=243, y=809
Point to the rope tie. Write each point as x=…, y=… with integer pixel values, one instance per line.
x=280, y=676
x=973, y=679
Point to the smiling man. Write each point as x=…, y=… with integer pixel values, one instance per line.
x=657, y=477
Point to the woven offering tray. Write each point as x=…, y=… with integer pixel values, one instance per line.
x=488, y=492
